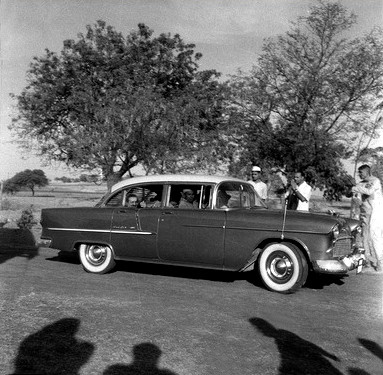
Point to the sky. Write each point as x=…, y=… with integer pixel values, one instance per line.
x=229, y=34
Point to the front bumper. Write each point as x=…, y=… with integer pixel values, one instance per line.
x=330, y=266
x=342, y=265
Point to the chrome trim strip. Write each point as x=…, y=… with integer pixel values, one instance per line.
x=259, y=229
x=100, y=231
x=80, y=230
x=131, y=232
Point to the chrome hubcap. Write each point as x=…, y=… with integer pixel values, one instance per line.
x=280, y=267
x=96, y=254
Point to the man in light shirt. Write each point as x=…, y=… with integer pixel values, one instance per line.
x=300, y=190
x=259, y=186
x=371, y=215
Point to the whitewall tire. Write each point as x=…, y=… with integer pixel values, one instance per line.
x=282, y=267
x=96, y=258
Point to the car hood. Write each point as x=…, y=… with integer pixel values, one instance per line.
x=295, y=221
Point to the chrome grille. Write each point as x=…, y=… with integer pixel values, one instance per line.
x=342, y=247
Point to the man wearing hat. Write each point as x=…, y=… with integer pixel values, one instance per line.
x=187, y=199
x=259, y=186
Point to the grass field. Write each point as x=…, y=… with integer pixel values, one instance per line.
x=54, y=195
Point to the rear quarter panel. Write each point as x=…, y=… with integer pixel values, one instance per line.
x=66, y=226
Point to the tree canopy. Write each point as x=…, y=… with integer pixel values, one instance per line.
x=28, y=178
x=312, y=92
x=111, y=102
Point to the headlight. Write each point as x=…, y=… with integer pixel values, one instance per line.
x=335, y=231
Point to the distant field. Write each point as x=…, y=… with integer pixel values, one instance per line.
x=54, y=195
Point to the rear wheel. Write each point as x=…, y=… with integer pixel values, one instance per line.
x=96, y=258
x=282, y=267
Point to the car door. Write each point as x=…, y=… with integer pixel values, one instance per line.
x=193, y=236
x=134, y=229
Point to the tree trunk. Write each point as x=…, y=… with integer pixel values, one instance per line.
x=112, y=179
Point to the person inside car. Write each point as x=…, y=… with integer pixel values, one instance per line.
x=187, y=199
x=223, y=199
x=132, y=200
x=151, y=201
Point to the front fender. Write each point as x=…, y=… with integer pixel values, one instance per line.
x=254, y=256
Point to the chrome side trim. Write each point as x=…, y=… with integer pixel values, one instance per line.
x=131, y=232
x=100, y=231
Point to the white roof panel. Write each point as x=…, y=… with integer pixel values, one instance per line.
x=171, y=178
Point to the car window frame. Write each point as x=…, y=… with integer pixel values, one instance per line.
x=126, y=190
x=242, y=184
x=195, y=186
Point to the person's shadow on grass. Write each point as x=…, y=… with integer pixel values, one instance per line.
x=145, y=362
x=17, y=243
x=298, y=356
x=53, y=350
x=374, y=348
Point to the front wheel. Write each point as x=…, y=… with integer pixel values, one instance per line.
x=96, y=258
x=282, y=268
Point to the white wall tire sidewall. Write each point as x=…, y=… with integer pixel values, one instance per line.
x=290, y=284
x=104, y=267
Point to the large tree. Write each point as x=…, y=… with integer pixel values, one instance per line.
x=111, y=102
x=28, y=178
x=312, y=91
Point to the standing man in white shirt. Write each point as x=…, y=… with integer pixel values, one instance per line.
x=259, y=186
x=371, y=215
x=302, y=190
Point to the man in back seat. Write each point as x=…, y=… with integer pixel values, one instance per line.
x=187, y=199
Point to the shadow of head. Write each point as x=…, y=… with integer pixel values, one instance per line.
x=147, y=353
x=53, y=350
x=264, y=327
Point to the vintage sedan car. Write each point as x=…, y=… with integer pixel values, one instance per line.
x=207, y=222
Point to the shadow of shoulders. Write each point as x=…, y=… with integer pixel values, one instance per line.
x=145, y=361
x=297, y=356
x=53, y=350
x=15, y=237
x=17, y=243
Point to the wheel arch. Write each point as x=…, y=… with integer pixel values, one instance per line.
x=262, y=245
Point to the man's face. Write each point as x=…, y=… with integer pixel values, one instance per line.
x=298, y=178
x=255, y=176
x=189, y=196
x=132, y=202
x=363, y=173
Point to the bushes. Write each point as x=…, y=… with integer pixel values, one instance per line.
x=26, y=220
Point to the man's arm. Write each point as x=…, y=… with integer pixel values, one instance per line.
x=299, y=194
x=368, y=189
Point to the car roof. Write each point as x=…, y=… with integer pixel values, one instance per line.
x=169, y=178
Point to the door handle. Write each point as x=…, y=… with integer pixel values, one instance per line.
x=167, y=213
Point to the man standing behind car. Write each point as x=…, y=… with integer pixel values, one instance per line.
x=259, y=186
x=371, y=214
x=301, y=191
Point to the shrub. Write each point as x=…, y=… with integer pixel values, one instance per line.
x=26, y=220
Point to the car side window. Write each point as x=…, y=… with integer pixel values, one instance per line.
x=234, y=195
x=189, y=196
x=142, y=196
x=148, y=196
x=115, y=200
